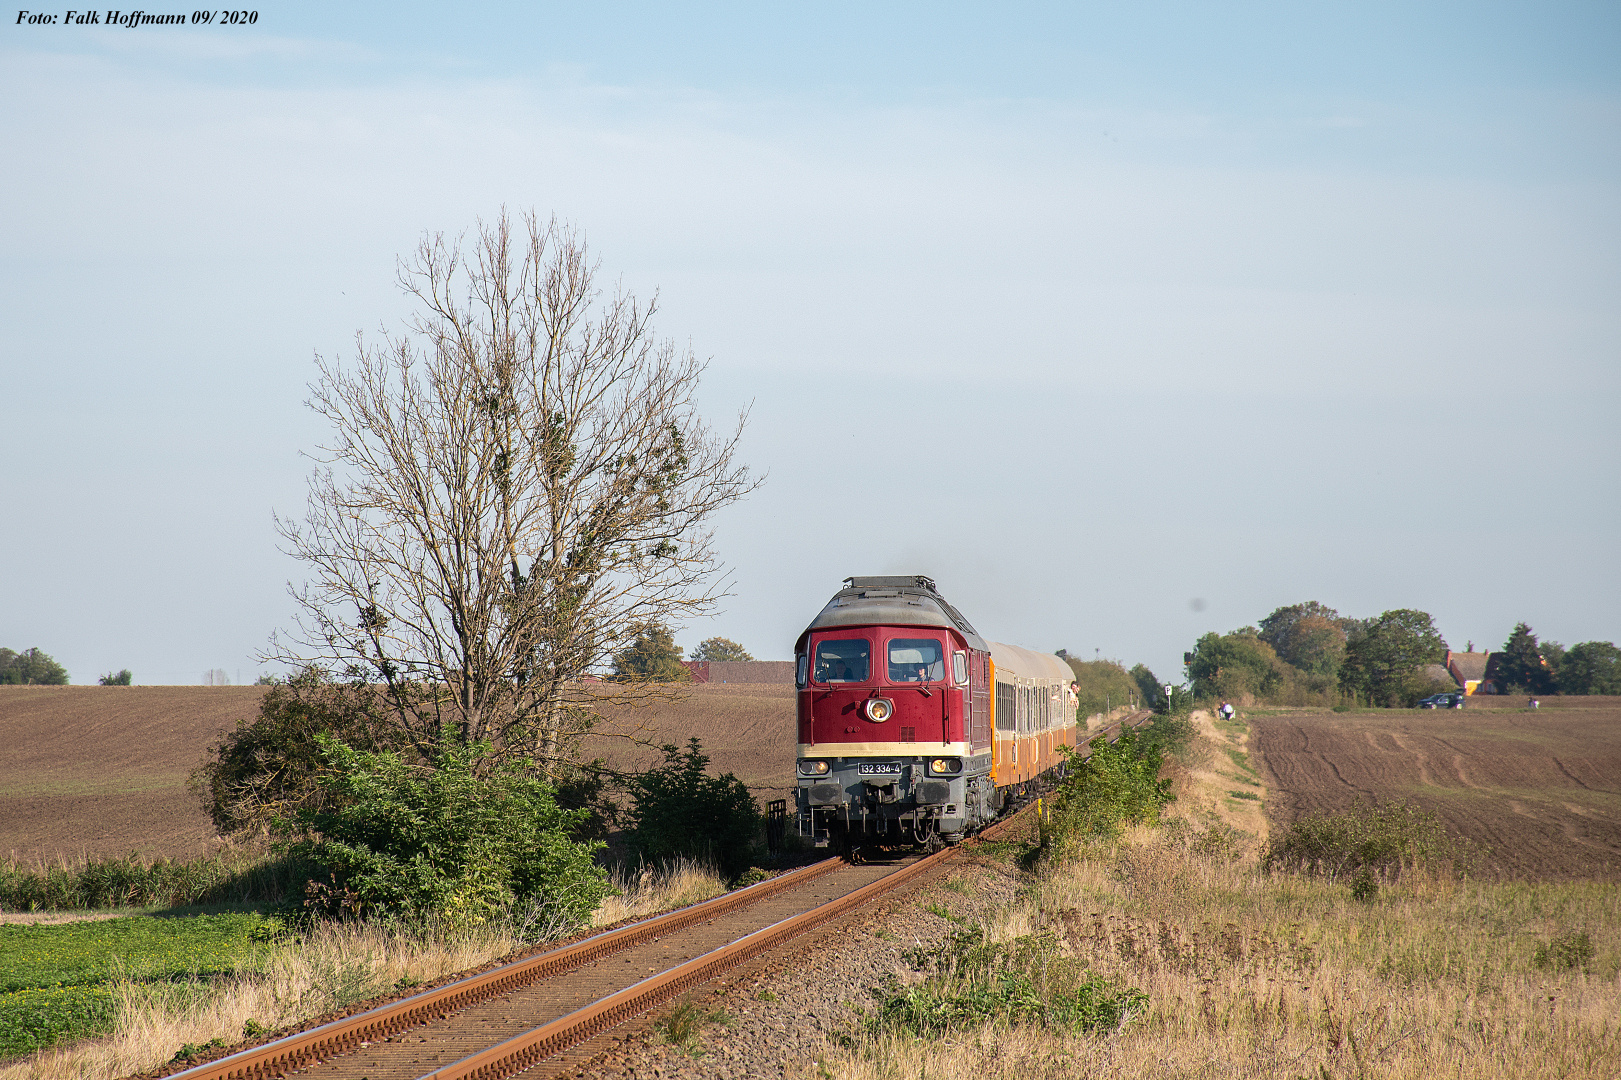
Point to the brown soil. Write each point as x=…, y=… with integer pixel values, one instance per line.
x=101, y=771
x=746, y=729
x=1541, y=790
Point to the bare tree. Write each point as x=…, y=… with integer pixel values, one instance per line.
x=515, y=483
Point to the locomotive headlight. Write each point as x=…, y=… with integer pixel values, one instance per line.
x=945, y=766
x=880, y=709
x=813, y=768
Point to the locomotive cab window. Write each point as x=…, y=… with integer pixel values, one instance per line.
x=916, y=660
x=845, y=661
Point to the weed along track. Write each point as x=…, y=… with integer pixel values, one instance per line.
x=514, y=1017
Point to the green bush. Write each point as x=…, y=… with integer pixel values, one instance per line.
x=1383, y=840
x=1570, y=950
x=442, y=840
x=1117, y=785
x=267, y=767
x=1231, y=665
x=1024, y=982
x=678, y=810
x=1152, y=691
x=1172, y=729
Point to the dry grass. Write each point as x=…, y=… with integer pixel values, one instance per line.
x=325, y=969
x=1250, y=975
x=661, y=888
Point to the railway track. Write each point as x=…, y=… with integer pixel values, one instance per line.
x=507, y=1020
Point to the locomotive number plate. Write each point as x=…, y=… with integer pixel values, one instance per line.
x=879, y=768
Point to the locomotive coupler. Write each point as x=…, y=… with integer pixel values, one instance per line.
x=880, y=789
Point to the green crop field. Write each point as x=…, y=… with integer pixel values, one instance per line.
x=56, y=981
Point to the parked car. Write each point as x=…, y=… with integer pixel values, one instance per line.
x=1442, y=701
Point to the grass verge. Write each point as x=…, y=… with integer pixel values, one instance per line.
x=1246, y=973
x=234, y=876
x=64, y=982
x=110, y=998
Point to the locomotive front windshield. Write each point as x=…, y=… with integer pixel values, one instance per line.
x=916, y=660
x=849, y=660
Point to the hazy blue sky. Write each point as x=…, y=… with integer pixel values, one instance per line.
x=1160, y=315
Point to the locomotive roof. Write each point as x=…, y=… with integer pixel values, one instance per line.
x=891, y=601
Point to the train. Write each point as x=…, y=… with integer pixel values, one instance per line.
x=913, y=729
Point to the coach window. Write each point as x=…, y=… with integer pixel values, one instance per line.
x=916, y=660
x=847, y=660
x=1007, y=710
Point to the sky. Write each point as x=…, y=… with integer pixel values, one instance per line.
x=1160, y=315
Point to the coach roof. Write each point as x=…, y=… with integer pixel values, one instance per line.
x=1015, y=662
x=891, y=601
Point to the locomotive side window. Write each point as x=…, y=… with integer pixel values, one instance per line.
x=843, y=661
x=916, y=660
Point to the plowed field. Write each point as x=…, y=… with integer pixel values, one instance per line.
x=1541, y=790
x=101, y=771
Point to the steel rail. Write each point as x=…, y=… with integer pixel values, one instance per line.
x=306, y=1048
x=526, y=1050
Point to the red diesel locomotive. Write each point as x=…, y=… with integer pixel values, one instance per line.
x=913, y=728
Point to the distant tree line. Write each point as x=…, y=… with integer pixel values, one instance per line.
x=30, y=668
x=1310, y=654
x=1527, y=666
x=1107, y=684
x=653, y=656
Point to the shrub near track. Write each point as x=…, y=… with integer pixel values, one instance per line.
x=1117, y=785
x=56, y=981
